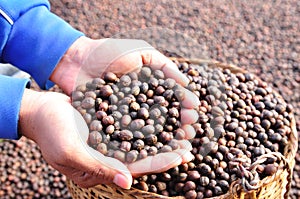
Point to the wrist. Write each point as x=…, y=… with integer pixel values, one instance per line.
x=68, y=68
x=28, y=110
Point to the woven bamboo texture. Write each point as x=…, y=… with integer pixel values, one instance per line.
x=272, y=187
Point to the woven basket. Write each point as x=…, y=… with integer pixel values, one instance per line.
x=272, y=187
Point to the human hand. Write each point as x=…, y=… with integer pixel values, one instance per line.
x=87, y=59
x=61, y=133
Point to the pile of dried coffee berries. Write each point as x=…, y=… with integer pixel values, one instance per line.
x=138, y=114
x=240, y=119
x=133, y=116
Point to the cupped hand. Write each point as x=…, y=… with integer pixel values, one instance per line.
x=87, y=59
x=49, y=119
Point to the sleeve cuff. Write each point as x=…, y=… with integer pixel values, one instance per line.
x=11, y=93
x=37, y=42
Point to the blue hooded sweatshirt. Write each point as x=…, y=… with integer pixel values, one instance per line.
x=34, y=40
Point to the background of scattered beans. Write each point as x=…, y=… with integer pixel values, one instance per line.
x=262, y=37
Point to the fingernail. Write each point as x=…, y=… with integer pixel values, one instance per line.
x=188, y=116
x=185, y=81
x=122, y=181
x=189, y=157
x=190, y=132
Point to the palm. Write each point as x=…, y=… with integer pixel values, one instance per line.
x=123, y=56
x=120, y=57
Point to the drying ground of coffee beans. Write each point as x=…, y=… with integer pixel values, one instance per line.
x=25, y=174
x=240, y=119
x=133, y=116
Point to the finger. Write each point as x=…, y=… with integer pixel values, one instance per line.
x=104, y=169
x=185, y=144
x=130, y=62
x=92, y=175
x=189, y=131
x=107, y=171
x=185, y=155
x=171, y=71
x=155, y=164
x=157, y=61
x=90, y=171
x=188, y=116
x=187, y=98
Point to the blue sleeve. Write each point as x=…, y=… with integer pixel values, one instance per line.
x=11, y=92
x=32, y=38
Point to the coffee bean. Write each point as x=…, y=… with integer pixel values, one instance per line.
x=102, y=148
x=138, y=135
x=114, y=145
x=270, y=169
x=213, y=90
x=110, y=77
x=191, y=194
x=204, y=169
x=173, y=112
x=125, y=121
x=88, y=103
x=155, y=113
x=142, y=186
x=137, y=124
x=125, y=135
x=125, y=146
x=105, y=91
x=217, y=190
x=152, y=151
x=144, y=87
x=143, y=154
x=110, y=129
x=77, y=96
x=107, y=120
x=161, y=186
x=193, y=175
x=169, y=83
x=153, y=83
x=91, y=94
x=150, y=139
x=143, y=113
x=145, y=72
x=148, y=129
x=125, y=80
x=95, y=125
x=103, y=106
x=189, y=185
x=138, y=144
x=135, y=90
x=152, y=189
x=95, y=138
x=217, y=111
x=131, y=156
x=179, y=186
x=165, y=148
x=173, y=144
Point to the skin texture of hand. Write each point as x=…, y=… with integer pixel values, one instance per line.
x=87, y=59
x=61, y=133
x=51, y=121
